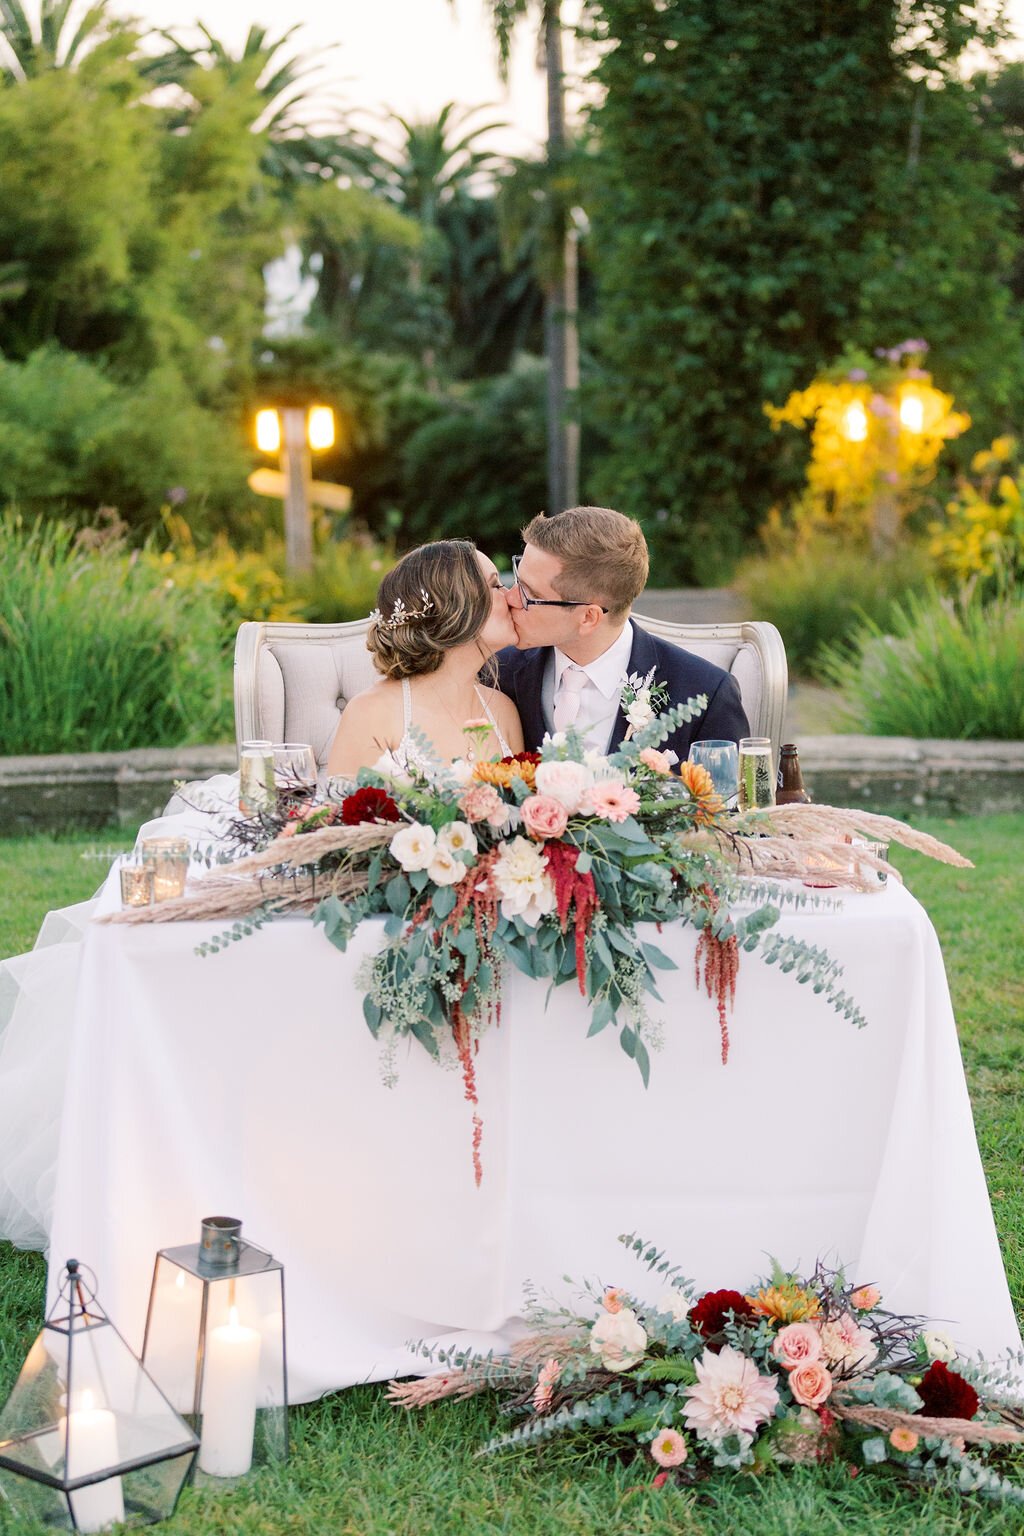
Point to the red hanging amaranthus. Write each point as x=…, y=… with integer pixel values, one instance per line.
x=476, y=890
x=572, y=889
x=721, y=959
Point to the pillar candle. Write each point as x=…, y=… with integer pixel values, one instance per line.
x=230, y=1381
x=92, y=1445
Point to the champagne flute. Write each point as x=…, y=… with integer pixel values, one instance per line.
x=757, y=781
x=256, y=793
x=721, y=759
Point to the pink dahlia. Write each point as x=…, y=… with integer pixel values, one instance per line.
x=611, y=801
x=731, y=1394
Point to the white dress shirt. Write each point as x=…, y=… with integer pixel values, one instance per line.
x=600, y=698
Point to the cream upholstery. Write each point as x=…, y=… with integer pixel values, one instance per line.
x=292, y=681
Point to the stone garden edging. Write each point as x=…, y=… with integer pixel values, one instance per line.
x=896, y=774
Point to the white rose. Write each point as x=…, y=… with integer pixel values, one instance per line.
x=462, y=771
x=939, y=1345
x=674, y=1304
x=445, y=868
x=413, y=846
x=521, y=876
x=619, y=1339
x=639, y=714
x=457, y=837
x=564, y=782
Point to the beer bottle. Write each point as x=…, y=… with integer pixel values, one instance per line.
x=791, y=789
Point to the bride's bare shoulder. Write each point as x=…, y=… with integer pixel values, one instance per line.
x=376, y=701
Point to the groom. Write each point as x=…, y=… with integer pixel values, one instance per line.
x=576, y=581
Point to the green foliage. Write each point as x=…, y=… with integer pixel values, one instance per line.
x=980, y=541
x=817, y=590
x=480, y=465
x=745, y=231
x=945, y=669
x=73, y=437
x=103, y=654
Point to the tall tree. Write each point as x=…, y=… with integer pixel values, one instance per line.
x=560, y=276
x=769, y=183
x=277, y=83
x=58, y=42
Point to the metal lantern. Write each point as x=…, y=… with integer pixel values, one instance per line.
x=215, y=1341
x=90, y=1437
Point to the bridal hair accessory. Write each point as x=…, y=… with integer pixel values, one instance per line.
x=403, y=615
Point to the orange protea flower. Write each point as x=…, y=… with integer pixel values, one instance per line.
x=702, y=788
x=501, y=774
x=786, y=1303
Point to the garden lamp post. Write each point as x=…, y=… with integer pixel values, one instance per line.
x=292, y=432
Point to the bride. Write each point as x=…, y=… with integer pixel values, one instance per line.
x=442, y=614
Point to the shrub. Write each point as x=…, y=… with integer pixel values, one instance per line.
x=946, y=669
x=253, y=584
x=101, y=652
x=478, y=471
x=980, y=542
x=74, y=438
x=818, y=592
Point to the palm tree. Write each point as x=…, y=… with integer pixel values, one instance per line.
x=54, y=45
x=292, y=152
x=434, y=162
x=561, y=277
x=431, y=174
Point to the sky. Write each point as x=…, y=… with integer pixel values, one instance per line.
x=412, y=56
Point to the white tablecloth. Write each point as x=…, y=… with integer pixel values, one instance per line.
x=247, y=1084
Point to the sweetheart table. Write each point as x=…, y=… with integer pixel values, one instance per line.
x=246, y=1083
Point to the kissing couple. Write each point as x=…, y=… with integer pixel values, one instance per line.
x=556, y=649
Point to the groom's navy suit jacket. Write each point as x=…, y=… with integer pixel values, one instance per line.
x=521, y=676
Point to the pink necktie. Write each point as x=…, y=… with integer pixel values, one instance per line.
x=567, y=704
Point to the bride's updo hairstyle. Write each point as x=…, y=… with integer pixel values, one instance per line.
x=435, y=598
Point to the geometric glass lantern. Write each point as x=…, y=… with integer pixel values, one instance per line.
x=90, y=1435
x=215, y=1342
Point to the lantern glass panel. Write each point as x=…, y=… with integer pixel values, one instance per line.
x=89, y=1434
x=201, y=1321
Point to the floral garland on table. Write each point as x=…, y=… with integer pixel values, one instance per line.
x=546, y=861
x=799, y=1370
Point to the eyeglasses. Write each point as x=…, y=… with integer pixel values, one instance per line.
x=545, y=602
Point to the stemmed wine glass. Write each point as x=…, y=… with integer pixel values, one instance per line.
x=721, y=759
x=295, y=770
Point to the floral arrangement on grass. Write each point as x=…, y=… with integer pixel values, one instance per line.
x=795, y=1371
x=547, y=861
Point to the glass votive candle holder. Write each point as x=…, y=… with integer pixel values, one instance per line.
x=168, y=857
x=136, y=883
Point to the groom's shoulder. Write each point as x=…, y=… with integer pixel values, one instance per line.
x=512, y=662
x=675, y=661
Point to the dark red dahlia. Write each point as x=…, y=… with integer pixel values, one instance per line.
x=710, y=1314
x=523, y=757
x=946, y=1395
x=368, y=805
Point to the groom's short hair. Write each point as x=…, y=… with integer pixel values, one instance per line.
x=603, y=554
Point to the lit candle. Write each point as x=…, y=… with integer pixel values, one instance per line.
x=92, y=1445
x=230, y=1377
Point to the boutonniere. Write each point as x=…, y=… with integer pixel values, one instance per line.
x=641, y=700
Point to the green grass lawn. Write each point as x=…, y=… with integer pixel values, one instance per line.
x=360, y=1468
